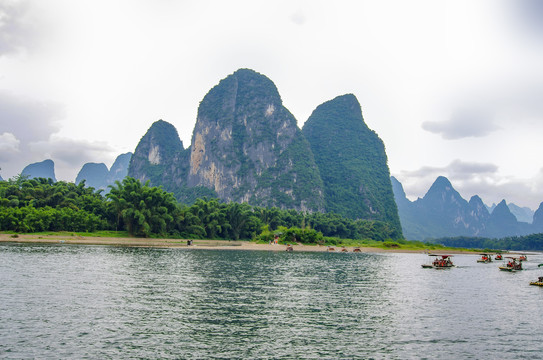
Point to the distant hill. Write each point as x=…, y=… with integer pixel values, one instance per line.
x=44, y=169
x=95, y=175
x=98, y=176
x=523, y=214
x=442, y=212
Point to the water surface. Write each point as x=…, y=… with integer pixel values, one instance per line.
x=110, y=302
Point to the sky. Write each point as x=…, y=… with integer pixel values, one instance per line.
x=453, y=88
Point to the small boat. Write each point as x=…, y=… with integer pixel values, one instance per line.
x=498, y=257
x=440, y=262
x=357, y=250
x=344, y=249
x=330, y=249
x=539, y=281
x=485, y=258
x=289, y=248
x=523, y=258
x=511, y=265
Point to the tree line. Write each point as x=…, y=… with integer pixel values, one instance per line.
x=37, y=205
x=527, y=242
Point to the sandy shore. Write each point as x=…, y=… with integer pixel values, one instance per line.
x=180, y=243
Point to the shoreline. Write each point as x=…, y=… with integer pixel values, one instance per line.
x=197, y=244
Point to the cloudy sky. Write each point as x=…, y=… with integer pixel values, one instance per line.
x=454, y=88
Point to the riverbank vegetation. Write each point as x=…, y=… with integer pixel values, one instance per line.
x=140, y=210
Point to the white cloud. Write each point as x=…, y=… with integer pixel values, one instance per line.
x=9, y=144
x=463, y=124
x=28, y=119
x=15, y=31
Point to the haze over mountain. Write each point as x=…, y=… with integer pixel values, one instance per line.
x=523, y=214
x=442, y=212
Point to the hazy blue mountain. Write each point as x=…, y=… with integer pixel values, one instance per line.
x=352, y=162
x=502, y=221
x=44, y=169
x=537, y=223
x=442, y=212
x=98, y=176
x=119, y=169
x=523, y=214
x=94, y=174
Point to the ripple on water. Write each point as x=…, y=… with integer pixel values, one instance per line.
x=96, y=302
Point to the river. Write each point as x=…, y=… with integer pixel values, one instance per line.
x=95, y=302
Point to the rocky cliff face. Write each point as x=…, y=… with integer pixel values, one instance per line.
x=44, y=169
x=352, y=162
x=160, y=157
x=246, y=146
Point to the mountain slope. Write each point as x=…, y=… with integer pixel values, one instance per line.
x=352, y=162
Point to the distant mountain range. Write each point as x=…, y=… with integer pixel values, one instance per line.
x=95, y=175
x=442, y=212
x=98, y=176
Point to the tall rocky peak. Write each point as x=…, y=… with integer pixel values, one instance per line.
x=352, y=162
x=478, y=208
x=502, y=213
x=159, y=143
x=44, y=169
x=247, y=147
x=502, y=220
x=442, y=195
x=160, y=157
